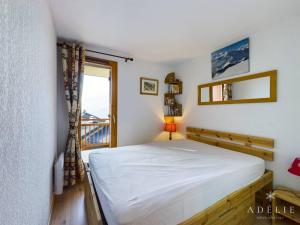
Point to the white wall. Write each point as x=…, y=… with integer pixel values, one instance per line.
x=140, y=117
x=277, y=47
x=27, y=111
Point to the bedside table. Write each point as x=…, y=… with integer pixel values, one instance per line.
x=285, y=207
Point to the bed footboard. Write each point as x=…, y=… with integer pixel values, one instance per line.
x=90, y=200
x=234, y=208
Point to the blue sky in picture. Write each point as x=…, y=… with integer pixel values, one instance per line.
x=232, y=47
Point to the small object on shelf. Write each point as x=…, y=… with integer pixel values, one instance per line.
x=174, y=87
x=170, y=78
x=177, y=110
x=170, y=126
x=295, y=168
x=285, y=206
x=169, y=100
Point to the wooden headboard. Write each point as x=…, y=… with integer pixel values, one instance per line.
x=236, y=142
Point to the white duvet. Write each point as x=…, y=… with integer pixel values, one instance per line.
x=167, y=182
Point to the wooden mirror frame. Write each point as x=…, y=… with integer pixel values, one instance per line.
x=273, y=89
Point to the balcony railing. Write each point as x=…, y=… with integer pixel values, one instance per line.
x=95, y=133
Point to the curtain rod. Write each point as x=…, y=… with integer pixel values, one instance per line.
x=103, y=53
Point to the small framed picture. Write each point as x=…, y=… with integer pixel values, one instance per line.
x=148, y=86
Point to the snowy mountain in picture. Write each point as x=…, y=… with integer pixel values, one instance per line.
x=231, y=60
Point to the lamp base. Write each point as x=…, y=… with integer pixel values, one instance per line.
x=170, y=136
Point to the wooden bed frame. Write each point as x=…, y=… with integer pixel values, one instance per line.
x=232, y=209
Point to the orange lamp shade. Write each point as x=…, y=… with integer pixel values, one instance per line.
x=295, y=168
x=170, y=127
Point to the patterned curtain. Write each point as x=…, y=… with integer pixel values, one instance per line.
x=73, y=58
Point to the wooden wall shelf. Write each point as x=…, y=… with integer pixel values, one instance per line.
x=174, y=88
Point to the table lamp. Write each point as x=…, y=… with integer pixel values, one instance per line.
x=170, y=126
x=295, y=168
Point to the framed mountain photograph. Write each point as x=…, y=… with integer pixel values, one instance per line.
x=148, y=86
x=231, y=60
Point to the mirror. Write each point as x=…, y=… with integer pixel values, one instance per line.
x=217, y=93
x=255, y=88
x=259, y=87
x=205, y=94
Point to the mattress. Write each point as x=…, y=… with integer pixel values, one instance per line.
x=165, y=183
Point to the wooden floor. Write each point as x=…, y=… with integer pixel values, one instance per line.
x=69, y=208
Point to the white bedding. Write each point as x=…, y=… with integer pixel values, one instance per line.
x=165, y=183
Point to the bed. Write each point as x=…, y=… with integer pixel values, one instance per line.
x=193, y=181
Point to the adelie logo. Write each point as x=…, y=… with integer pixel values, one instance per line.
x=270, y=196
x=266, y=212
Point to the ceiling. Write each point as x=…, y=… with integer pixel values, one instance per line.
x=166, y=30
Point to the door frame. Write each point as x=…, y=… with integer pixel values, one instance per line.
x=114, y=96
